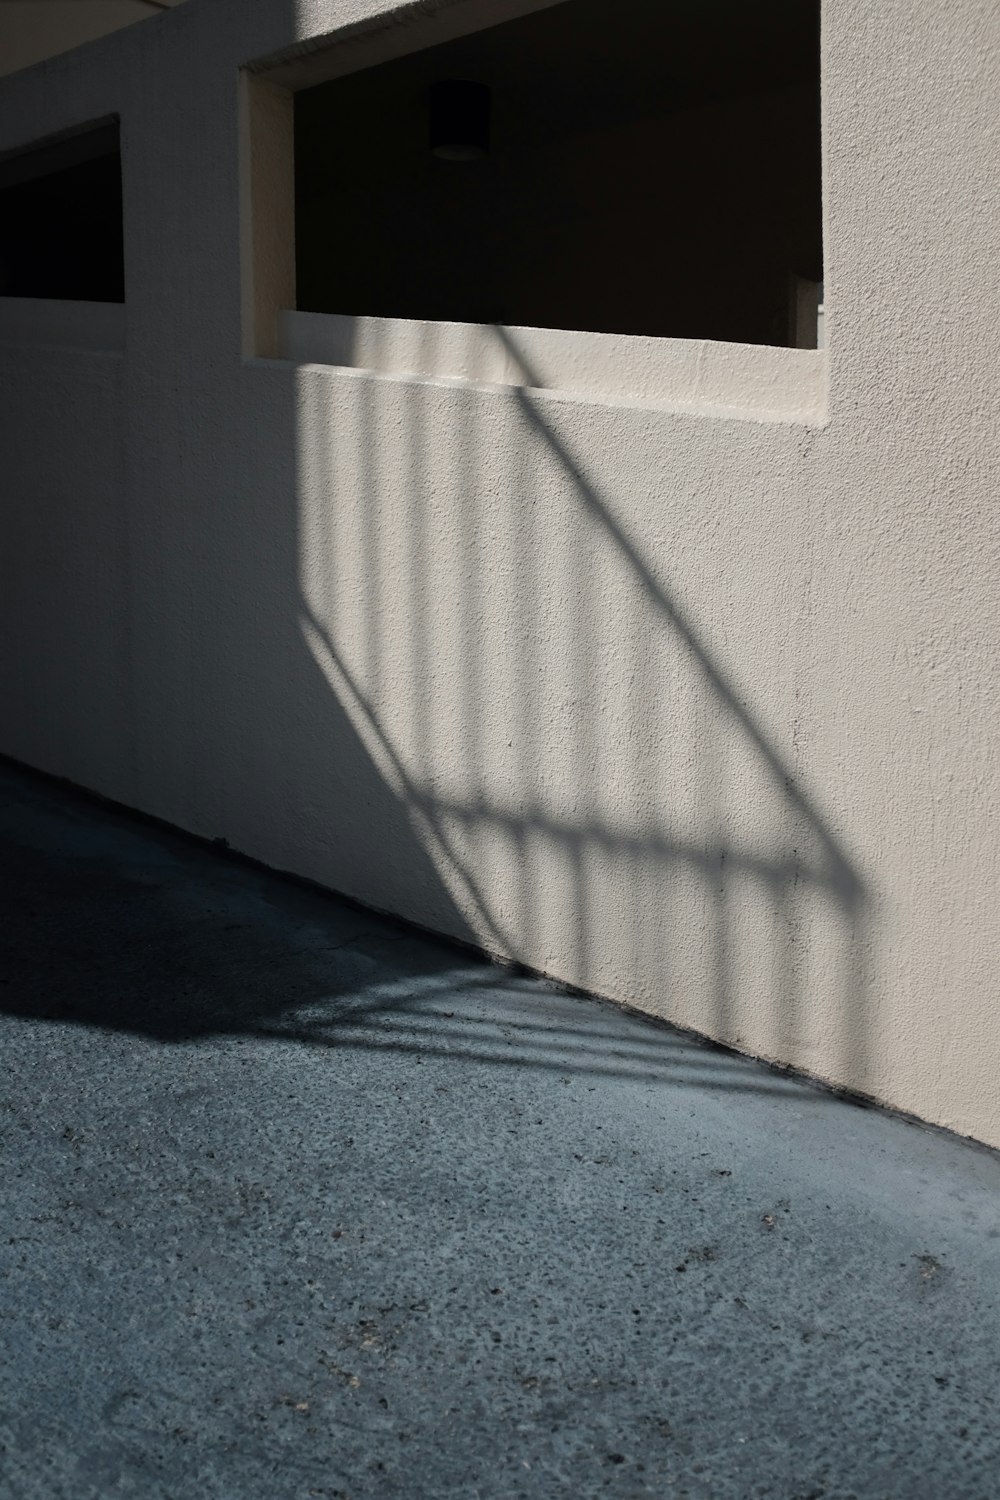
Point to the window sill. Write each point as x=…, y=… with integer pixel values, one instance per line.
x=36, y=322
x=755, y=382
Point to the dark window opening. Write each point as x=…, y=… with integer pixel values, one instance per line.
x=648, y=167
x=61, y=233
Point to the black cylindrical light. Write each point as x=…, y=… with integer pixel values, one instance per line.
x=460, y=120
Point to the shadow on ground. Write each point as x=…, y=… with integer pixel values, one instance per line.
x=298, y=1202
x=113, y=923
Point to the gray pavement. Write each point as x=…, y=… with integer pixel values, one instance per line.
x=298, y=1203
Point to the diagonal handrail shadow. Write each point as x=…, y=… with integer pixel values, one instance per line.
x=841, y=872
x=437, y=816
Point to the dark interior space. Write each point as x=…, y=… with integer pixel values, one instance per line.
x=61, y=232
x=652, y=168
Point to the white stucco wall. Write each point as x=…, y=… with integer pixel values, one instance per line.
x=696, y=710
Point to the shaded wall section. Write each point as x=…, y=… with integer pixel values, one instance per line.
x=33, y=30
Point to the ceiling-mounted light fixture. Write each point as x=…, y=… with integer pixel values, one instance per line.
x=460, y=120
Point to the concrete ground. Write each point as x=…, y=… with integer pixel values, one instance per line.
x=299, y=1203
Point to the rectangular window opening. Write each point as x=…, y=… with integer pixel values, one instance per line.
x=61, y=227
x=650, y=168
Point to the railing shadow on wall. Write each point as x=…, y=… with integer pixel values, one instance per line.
x=449, y=697
x=481, y=636
x=466, y=695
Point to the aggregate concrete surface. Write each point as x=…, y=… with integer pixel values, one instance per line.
x=297, y=1202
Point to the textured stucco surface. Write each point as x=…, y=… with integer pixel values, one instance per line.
x=694, y=711
x=32, y=30
x=297, y=1203
x=697, y=375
